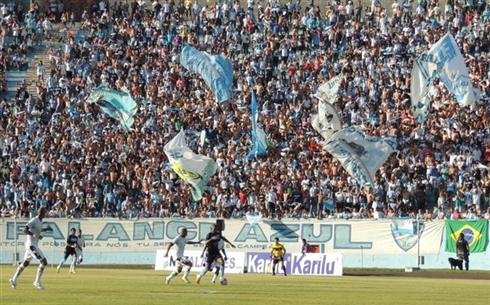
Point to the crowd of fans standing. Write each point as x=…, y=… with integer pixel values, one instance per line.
x=61, y=152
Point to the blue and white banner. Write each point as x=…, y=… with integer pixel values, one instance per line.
x=118, y=105
x=259, y=138
x=327, y=121
x=216, y=70
x=443, y=60
x=192, y=168
x=381, y=237
x=360, y=155
x=328, y=92
x=298, y=263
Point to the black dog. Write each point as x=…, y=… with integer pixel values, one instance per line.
x=454, y=262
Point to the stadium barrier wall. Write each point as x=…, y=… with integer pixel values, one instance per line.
x=362, y=243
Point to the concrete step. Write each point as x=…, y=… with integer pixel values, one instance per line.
x=14, y=78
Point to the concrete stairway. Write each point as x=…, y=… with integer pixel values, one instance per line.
x=56, y=42
x=40, y=53
x=31, y=77
x=14, y=78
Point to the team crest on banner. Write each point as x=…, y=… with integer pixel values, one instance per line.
x=404, y=232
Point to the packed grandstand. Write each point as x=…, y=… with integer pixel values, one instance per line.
x=61, y=151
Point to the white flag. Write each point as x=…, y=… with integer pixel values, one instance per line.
x=360, y=155
x=419, y=88
x=327, y=121
x=192, y=168
x=454, y=72
x=329, y=90
x=202, y=137
x=443, y=60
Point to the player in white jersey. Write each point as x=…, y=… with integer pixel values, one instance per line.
x=78, y=251
x=33, y=229
x=183, y=263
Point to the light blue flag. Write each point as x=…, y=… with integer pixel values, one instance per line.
x=216, y=70
x=118, y=105
x=360, y=155
x=259, y=138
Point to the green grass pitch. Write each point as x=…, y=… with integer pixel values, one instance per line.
x=90, y=286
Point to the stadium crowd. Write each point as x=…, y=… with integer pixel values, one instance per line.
x=63, y=153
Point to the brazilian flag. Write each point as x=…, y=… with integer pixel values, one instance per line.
x=475, y=232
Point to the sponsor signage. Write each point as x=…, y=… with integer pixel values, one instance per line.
x=297, y=263
x=235, y=262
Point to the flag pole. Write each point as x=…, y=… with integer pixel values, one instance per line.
x=418, y=241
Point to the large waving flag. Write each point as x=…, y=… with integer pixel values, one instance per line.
x=327, y=121
x=454, y=72
x=118, y=105
x=360, y=155
x=443, y=60
x=192, y=168
x=329, y=90
x=423, y=74
x=216, y=70
x=475, y=232
x=259, y=138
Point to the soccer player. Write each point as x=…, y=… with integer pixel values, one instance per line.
x=71, y=244
x=33, y=229
x=213, y=253
x=182, y=261
x=277, y=255
x=78, y=251
x=217, y=266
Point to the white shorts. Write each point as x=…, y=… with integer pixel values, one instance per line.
x=79, y=256
x=33, y=251
x=183, y=262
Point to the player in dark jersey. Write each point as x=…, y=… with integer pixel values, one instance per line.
x=213, y=253
x=217, y=268
x=79, y=252
x=70, y=249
